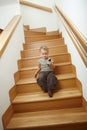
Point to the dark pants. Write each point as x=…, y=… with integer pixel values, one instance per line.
x=47, y=80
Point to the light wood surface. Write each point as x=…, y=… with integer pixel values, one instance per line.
x=53, y=117
x=33, y=61
x=41, y=37
x=7, y=116
x=33, y=80
x=7, y=33
x=59, y=69
x=35, y=31
x=33, y=109
x=52, y=50
x=50, y=43
x=44, y=8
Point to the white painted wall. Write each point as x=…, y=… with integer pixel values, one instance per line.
x=38, y=18
x=76, y=10
x=8, y=61
x=7, y=12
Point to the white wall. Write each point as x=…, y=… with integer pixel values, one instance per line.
x=7, y=12
x=76, y=10
x=37, y=18
x=8, y=61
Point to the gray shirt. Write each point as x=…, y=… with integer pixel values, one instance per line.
x=44, y=65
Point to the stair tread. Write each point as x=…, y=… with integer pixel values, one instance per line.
x=33, y=80
x=47, y=118
x=35, y=67
x=33, y=57
x=34, y=49
x=41, y=96
x=37, y=42
x=42, y=35
x=34, y=108
x=40, y=29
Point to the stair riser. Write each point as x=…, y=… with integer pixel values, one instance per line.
x=54, y=51
x=42, y=37
x=33, y=87
x=58, y=70
x=48, y=105
x=30, y=33
x=34, y=61
x=46, y=43
x=41, y=30
x=70, y=126
x=7, y=116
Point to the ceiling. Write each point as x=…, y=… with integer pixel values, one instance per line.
x=6, y=2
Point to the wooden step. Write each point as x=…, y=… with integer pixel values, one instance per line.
x=65, y=119
x=33, y=109
x=36, y=45
x=52, y=50
x=59, y=69
x=42, y=37
x=26, y=27
x=40, y=29
x=33, y=61
x=33, y=80
x=31, y=33
x=30, y=85
x=53, y=32
x=39, y=101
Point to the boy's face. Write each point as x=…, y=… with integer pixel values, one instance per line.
x=44, y=54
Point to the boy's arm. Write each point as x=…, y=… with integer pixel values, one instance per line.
x=37, y=71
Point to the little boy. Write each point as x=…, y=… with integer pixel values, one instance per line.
x=45, y=72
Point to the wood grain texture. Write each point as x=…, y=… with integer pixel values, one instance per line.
x=44, y=8
x=7, y=33
x=64, y=119
x=50, y=43
x=33, y=109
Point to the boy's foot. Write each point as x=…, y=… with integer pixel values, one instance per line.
x=50, y=93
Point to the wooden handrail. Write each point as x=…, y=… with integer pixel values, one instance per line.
x=76, y=31
x=7, y=33
x=36, y=6
x=1, y=30
x=74, y=34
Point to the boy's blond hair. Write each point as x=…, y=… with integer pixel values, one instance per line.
x=44, y=48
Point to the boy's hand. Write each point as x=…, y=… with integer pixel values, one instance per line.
x=50, y=61
x=35, y=75
x=37, y=72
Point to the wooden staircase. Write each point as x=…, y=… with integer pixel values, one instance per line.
x=33, y=109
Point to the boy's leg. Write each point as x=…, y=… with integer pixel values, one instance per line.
x=42, y=80
x=51, y=83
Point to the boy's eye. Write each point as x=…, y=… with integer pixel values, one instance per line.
x=44, y=53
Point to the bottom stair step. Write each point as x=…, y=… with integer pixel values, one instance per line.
x=39, y=101
x=73, y=119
